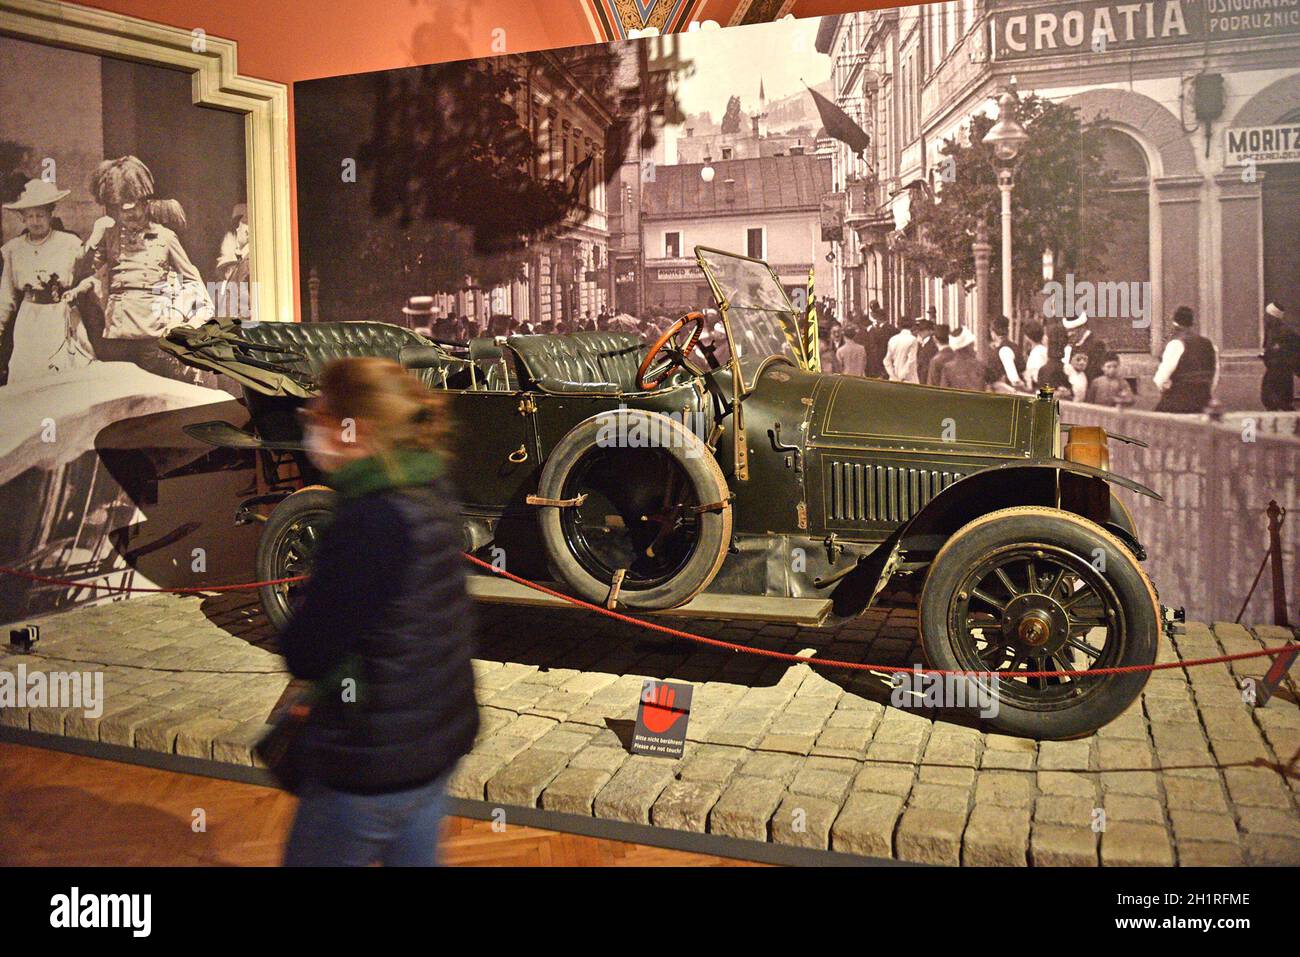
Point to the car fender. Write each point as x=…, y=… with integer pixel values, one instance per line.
x=1064, y=465
x=989, y=489
x=985, y=490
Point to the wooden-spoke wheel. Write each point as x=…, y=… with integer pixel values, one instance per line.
x=1026, y=590
x=1038, y=608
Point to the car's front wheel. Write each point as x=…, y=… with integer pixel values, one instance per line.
x=1039, y=589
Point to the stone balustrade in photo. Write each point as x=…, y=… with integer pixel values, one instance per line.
x=1206, y=540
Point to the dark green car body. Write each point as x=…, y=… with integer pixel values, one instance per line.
x=837, y=483
x=755, y=486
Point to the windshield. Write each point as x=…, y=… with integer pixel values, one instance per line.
x=759, y=315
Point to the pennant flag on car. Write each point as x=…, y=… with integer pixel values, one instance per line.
x=839, y=125
x=811, y=347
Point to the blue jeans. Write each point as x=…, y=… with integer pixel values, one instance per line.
x=337, y=829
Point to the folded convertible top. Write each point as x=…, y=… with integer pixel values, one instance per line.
x=220, y=345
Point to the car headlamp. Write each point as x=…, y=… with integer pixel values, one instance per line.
x=1088, y=445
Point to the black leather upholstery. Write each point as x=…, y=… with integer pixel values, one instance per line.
x=310, y=345
x=579, y=362
x=421, y=357
x=591, y=361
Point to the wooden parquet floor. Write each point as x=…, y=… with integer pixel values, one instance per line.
x=61, y=809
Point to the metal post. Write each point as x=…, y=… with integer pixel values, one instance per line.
x=982, y=250
x=1275, y=514
x=1005, y=183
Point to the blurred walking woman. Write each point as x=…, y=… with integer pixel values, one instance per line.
x=385, y=628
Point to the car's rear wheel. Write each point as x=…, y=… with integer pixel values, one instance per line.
x=647, y=501
x=285, y=549
x=1039, y=589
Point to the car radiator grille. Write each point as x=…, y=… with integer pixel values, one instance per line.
x=861, y=492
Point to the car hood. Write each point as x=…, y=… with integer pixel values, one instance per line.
x=854, y=412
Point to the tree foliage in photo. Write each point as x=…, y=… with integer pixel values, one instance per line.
x=733, y=119
x=447, y=144
x=1062, y=201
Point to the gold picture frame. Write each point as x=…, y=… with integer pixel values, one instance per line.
x=216, y=83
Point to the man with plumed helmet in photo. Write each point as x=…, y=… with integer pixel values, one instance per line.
x=152, y=284
x=1189, y=368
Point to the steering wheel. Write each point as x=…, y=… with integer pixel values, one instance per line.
x=654, y=368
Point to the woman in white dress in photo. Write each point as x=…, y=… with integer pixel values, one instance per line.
x=44, y=271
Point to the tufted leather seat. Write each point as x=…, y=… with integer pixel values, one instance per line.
x=316, y=343
x=589, y=361
x=310, y=345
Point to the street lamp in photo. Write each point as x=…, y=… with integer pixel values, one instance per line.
x=1006, y=138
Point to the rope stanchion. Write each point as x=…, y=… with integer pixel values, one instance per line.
x=701, y=639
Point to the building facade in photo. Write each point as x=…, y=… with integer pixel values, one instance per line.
x=767, y=207
x=1196, y=104
x=562, y=272
x=566, y=276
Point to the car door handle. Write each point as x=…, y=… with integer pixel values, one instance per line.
x=774, y=433
x=519, y=455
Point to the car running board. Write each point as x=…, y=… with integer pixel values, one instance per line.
x=795, y=611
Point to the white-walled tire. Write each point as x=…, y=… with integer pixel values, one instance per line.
x=639, y=510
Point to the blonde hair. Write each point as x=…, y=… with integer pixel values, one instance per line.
x=401, y=412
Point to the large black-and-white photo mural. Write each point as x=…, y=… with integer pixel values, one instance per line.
x=1152, y=209
x=124, y=215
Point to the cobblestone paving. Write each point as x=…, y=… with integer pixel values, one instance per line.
x=1190, y=775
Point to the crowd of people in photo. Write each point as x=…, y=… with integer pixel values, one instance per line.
x=66, y=302
x=1065, y=354
x=423, y=315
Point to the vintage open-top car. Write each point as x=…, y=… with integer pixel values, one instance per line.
x=716, y=473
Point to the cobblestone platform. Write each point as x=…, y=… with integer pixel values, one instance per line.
x=1190, y=775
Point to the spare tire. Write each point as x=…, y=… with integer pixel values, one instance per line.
x=642, y=494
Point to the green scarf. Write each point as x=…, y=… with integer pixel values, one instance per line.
x=398, y=468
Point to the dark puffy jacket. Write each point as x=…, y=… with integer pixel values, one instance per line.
x=386, y=602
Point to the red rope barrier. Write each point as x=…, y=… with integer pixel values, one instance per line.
x=197, y=590
x=857, y=665
x=710, y=642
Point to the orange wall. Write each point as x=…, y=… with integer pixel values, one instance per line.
x=288, y=40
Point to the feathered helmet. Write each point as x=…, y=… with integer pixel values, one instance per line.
x=120, y=181
x=126, y=180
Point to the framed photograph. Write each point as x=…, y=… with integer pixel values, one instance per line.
x=145, y=185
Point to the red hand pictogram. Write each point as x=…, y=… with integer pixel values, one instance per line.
x=658, y=713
